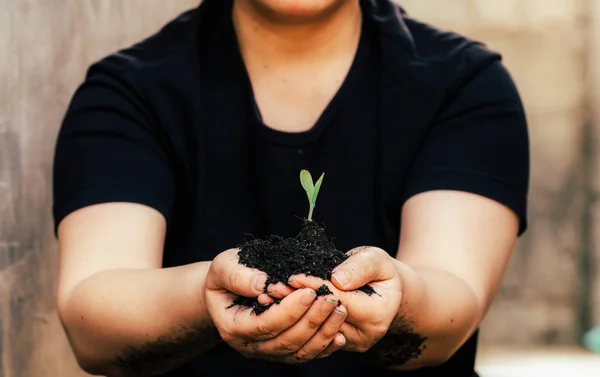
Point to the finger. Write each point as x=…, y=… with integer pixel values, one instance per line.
x=279, y=290
x=338, y=342
x=365, y=265
x=265, y=299
x=304, y=281
x=277, y=319
x=296, y=336
x=359, y=306
x=315, y=283
x=353, y=336
x=227, y=274
x=323, y=338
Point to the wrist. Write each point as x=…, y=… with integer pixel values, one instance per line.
x=197, y=283
x=434, y=301
x=450, y=306
x=439, y=310
x=414, y=302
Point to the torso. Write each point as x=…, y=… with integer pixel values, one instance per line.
x=238, y=149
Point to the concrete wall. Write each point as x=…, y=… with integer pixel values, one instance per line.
x=45, y=48
x=593, y=90
x=47, y=45
x=546, y=297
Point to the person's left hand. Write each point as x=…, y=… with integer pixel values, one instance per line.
x=369, y=317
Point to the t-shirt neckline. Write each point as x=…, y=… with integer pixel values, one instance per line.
x=356, y=70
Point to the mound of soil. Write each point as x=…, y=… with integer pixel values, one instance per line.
x=310, y=253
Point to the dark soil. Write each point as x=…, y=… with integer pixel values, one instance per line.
x=257, y=308
x=323, y=291
x=310, y=253
x=398, y=348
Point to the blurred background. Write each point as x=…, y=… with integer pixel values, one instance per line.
x=551, y=293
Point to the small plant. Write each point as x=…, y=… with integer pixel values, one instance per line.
x=312, y=190
x=310, y=252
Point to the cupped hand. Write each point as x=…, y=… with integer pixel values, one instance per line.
x=299, y=328
x=369, y=317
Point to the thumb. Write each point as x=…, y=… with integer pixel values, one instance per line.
x=365, y=265
x=227, y=274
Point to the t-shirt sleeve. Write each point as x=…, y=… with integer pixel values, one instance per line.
x=108, y=151
x=478, y=143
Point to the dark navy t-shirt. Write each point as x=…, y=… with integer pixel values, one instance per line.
x=171, y=123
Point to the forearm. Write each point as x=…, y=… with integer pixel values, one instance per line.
x=438, y=313
x=138, y=322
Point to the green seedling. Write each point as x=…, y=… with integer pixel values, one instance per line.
x=312, y=190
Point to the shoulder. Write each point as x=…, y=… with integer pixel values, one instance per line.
x=465, y=68
x=140, y=72
x=464, y=107
x=160, y=50
x=141, y=92
x=455, y=56
x=148, y=81
x=432, y=44
x=427, y=58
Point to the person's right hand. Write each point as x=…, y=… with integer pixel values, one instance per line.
x=300, y=328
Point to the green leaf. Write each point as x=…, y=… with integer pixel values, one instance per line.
x=313, y=201
x=307, y=182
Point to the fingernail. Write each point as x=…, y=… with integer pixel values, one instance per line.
x=259, y=283
x=309, y=298
x=328, y=305
x=271, y=289
x=338, y=315
x=342, y=277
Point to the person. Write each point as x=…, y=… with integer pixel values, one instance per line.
x=176, y=150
